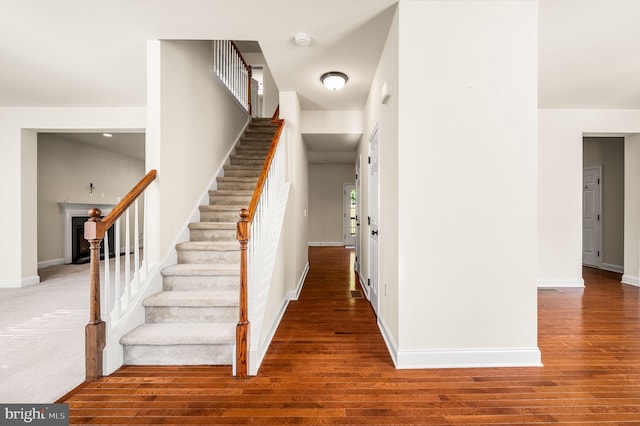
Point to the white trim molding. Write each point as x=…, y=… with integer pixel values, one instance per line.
x=459, y=358
x=470, y=358
x=631, y=280
x=560, y=282
x=326, y=243
x=51, y=262
x=22, y=282
x=295, y=293
x=612, y=268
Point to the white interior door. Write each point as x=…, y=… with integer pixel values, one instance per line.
x=373, y=220
x=591, y=216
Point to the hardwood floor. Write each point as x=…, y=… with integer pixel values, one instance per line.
x=328, y=365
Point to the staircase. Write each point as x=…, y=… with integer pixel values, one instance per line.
x=193, y=320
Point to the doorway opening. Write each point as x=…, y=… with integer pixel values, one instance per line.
x=349, y=215
x=603, y=198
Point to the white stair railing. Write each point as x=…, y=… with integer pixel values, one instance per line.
x=258, y=232
x=123, y=274
x=262, y=247
x=232, y=70
x=113, y=297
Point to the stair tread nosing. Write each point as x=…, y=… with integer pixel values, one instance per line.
x=230, y=192
x=203, y=269
x=181, y=334
x=192, y=299
x=209, y=245
x=237, y=179
x=213, y=225
x=221, y=208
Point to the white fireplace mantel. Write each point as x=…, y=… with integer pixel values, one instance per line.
x=71, y=210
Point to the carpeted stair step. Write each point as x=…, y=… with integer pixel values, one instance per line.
x=208, y=252
x=242, y=170
x=247, y=159
x=191, y=307
x=180, y=344
x=213, y=231
x=237, y=182
x=252, y=150
x=219, y=213
x=234, y=197
x=201, y=277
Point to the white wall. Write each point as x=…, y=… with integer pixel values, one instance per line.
x=560, y=186
x=296, y=223
x=326, y=202
x=193, y=123
x=65, y=169
x=18, y=164
x=609, y=154
x=467, y=145
x=330, y=122
x=632, y=210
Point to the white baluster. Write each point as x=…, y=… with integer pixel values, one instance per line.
x=127, y=257
x=105, y=298
x=115, y=314
x=136, y=247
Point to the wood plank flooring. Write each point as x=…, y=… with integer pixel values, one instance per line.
x=328, y=365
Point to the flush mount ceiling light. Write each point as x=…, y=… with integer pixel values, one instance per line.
x=334, y=80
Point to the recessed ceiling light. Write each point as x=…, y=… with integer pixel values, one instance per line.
x=107, y=135
x=334, y=80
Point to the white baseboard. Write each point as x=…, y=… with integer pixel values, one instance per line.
x=628, y=279
x=23, y=282
x=459, y=358
x=294, y=294
x=326, y=244
x=470, y=358
x=392, y=346
x=612, y=268
x=560, y=282
x=52, y=262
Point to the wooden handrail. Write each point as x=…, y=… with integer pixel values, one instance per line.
x=243, y=234
x=249, y=74
x=265, y=171
x=94, y=232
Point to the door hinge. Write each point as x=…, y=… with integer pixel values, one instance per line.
x=598, y=181
x=368, y=282
x=598, y=253
x=369, y=160
x=368, y=220
x=598, y=217
x=356, y=258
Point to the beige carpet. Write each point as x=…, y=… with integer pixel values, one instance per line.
x=42, y=335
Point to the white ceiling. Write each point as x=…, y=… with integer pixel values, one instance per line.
x=92, y=53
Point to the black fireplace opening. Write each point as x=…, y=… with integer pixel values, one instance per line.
x=80, y=252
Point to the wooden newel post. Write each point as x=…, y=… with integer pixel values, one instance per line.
x=94, y=331
x=242, y=329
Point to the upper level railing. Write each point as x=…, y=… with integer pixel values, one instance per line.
x=254, y=231
x=229, y=65
x=117, y=293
